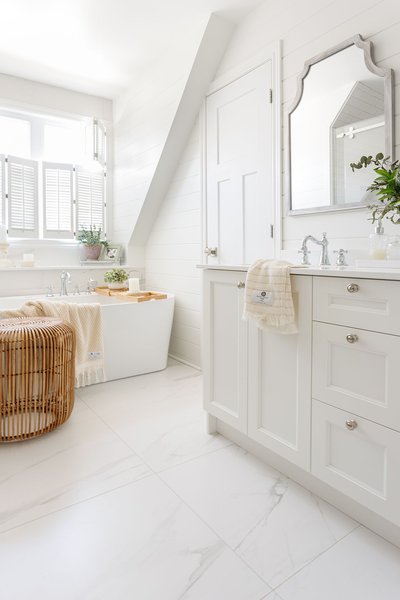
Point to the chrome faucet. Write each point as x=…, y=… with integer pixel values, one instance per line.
x=324, y=260
x=65, y=279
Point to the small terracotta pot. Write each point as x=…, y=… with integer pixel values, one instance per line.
x=92, y=252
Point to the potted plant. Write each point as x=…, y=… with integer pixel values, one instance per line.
x=386, y=186
x=91, y=240
x=116, y=279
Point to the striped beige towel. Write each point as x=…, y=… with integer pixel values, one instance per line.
x=268, y=296
x=86, y=320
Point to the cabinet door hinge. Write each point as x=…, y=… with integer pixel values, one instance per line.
x=271, y=231
x=270, y=95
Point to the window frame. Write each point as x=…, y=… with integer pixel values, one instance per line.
x=38, y=119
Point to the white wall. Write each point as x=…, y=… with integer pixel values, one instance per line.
x=174, y=249
x=306, y=28
x=142, y=119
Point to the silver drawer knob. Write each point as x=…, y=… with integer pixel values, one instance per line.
x=353, y=287
x=351, y=338
x=351, y=424
x=241, y=284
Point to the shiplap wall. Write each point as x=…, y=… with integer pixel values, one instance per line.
x=306, y=28
x=173, y=250
x=143, y=117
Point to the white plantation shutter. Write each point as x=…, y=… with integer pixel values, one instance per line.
x=57, y=200
x=2, y=190
x=22, y=197
x=89, y=199
x=99, y=142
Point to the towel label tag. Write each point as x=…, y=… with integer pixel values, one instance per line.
x=262, y=297
x=94, y=355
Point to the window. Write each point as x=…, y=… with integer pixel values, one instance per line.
x=52, y=175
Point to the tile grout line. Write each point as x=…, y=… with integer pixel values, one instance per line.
x=217, y=534
x=276, y=589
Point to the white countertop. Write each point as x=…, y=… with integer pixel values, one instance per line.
x=332, y=271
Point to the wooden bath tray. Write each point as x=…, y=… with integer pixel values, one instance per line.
x=136, y=297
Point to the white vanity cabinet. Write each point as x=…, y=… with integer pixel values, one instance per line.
x=246, y=370
x=325, y=400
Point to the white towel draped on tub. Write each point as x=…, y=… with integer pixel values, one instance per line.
x=268, y=296
x=86, y=320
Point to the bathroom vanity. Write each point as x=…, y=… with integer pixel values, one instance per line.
x=322, y=405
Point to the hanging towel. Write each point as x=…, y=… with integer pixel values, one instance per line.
x=268, y=296
x=86, y=320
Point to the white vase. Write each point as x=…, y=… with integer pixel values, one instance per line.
x=117, y=285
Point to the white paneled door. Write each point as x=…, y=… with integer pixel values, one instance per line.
x=240, y=184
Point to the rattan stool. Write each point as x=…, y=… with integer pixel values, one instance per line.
x=37, y=376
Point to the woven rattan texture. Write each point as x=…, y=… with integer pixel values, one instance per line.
x=37, y=374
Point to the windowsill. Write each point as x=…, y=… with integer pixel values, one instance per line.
x=90, y=267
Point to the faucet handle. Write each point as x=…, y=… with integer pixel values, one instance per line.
x=341, y=259
x=304, y=259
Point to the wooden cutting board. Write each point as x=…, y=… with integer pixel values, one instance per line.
x=125, y=295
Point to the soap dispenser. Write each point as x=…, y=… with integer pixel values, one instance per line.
x=378, y=242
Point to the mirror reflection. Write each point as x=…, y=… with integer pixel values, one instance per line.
x=340, y=115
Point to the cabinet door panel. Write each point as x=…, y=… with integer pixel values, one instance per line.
x=360, y=376
x=362, y=462
x=280, y=383
x=225, y=348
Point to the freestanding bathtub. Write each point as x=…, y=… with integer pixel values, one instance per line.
x=136, y=334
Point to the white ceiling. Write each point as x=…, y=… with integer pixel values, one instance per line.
x=99, y=46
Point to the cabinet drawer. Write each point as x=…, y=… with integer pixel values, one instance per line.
x=365, y=303
x=357, y=370
x=362, y=462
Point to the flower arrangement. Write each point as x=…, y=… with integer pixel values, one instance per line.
x=386, y=186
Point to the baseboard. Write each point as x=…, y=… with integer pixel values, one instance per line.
x=185, y=362
x=353, y=509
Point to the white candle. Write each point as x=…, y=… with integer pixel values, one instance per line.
x=28, y=260
x=3, y=234
x=134, y=285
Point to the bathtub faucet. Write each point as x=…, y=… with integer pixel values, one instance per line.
x=65, y=279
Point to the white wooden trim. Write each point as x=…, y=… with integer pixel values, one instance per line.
x=184, y=362
x=245, y=67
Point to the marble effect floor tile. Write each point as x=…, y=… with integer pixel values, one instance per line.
x=362, y=566
x=158, y=415
x=159, y=550
x=275, y=525
x=79, y=460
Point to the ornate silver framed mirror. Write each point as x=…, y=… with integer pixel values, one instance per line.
x=343, y=110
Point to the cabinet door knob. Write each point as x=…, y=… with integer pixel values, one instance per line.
x=241, y=284
x=210, y=251
x=353, y=287
x=351, y=424
x=351, y=338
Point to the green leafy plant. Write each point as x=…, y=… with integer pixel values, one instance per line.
x=116, y=276
x=91, y=237
x=386, y=186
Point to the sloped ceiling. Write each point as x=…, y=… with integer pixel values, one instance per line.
x=99, y=46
